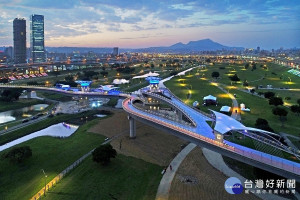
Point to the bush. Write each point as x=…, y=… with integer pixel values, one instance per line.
x=263, y=124
x=19, y=154
x=268, y=95
x=112, y=102
x=276, y=101
x=103, y=154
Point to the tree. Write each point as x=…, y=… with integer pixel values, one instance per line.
x=246, y=65
x=208, y=60
x=152, y=65
x=69, y=78
x=295, y=109
x=281, y=112
x=215, y=74
x=19, y=154
x=245, y=83
x=103, y=154
x=253, y=66
x=298, y=101
x=10, y=94
x=276, y=101
x=234, y=78
x=268, y=95
x=252, y=91
x=263, y=124
x=104, y=73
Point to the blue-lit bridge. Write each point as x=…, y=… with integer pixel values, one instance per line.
x=191, y=125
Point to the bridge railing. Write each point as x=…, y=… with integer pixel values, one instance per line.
x=173, y=104
x=200, y=111
x=254, y=155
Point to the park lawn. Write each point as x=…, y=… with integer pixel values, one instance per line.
x=50, y=154
x=272, y=75
x=294, y=95
x=124, y=178
x=54, y=96
x=21, y=103
x=181, y=85
x=260, y=108
x=41, y=125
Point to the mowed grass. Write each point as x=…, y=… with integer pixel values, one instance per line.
x=21, y=103
x=260, y=108
x=51, y=154
x=182, y=85
x=124, y=178
x=275, y=75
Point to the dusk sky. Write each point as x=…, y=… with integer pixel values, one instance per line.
x=144, y=23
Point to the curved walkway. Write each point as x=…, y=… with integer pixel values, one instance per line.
x=166, y=181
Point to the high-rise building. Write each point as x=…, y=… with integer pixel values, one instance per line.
x=115, y=51
x=19, y=32
x=37, y=42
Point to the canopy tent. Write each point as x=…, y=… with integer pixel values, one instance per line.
x=210, y=97
x=120, y=81
x=146, y=75
x=225, y=109
x=195, y=104
x=107, y=87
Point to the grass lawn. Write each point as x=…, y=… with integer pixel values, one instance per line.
x=21, y=103
x=124, y=178
x=181, y=85
x=260, y=108
x=51, y=154
x=40, y=125
x=53, y=96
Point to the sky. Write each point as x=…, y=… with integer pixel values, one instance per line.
x=149, y=23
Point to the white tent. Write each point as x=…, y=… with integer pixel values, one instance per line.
x=146, y=75
x=210, y=97
x=225, y=109
x=195, y=104
x=120, y=81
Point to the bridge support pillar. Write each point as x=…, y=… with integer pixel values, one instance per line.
x=28, y=94
x=132, y=126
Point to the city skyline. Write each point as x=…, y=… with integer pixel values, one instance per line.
x=138, y=24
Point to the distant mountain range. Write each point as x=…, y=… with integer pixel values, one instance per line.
x=192, y=46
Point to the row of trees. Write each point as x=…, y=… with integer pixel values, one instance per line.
x=9, y=95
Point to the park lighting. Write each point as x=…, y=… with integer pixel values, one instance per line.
x=290, y=79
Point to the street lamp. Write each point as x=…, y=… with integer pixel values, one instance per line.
x=290, y=79
x=45, y=181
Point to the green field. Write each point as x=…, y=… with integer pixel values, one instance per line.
x=124, y=178
x=51, y=154
x=21, y=103
x=42, y=124
x=181, y=85
x=197, y=83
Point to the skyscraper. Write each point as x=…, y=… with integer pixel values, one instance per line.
x=19, y=32
x=37, y=43
x=115, y=51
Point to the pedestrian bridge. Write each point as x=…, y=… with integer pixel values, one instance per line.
x=191, y=125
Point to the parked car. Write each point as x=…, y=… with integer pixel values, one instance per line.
x=34, y=117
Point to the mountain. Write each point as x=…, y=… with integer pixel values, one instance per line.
x=192, y=46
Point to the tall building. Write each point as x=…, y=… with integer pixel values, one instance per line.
x=19, y=32
x=115, y=51
x=37, y=42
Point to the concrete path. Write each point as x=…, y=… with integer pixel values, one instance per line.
x=216, y=160
x=166, y=181
x=235, y=105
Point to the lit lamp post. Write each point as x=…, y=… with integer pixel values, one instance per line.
x=290, y=79
x=45, y=181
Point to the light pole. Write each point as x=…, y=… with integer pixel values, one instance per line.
x=45, y=181
x=290, y=79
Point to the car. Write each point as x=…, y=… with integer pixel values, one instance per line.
x=40, y=114
x=50, y=115
x=34, y=117
x=25, y=120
